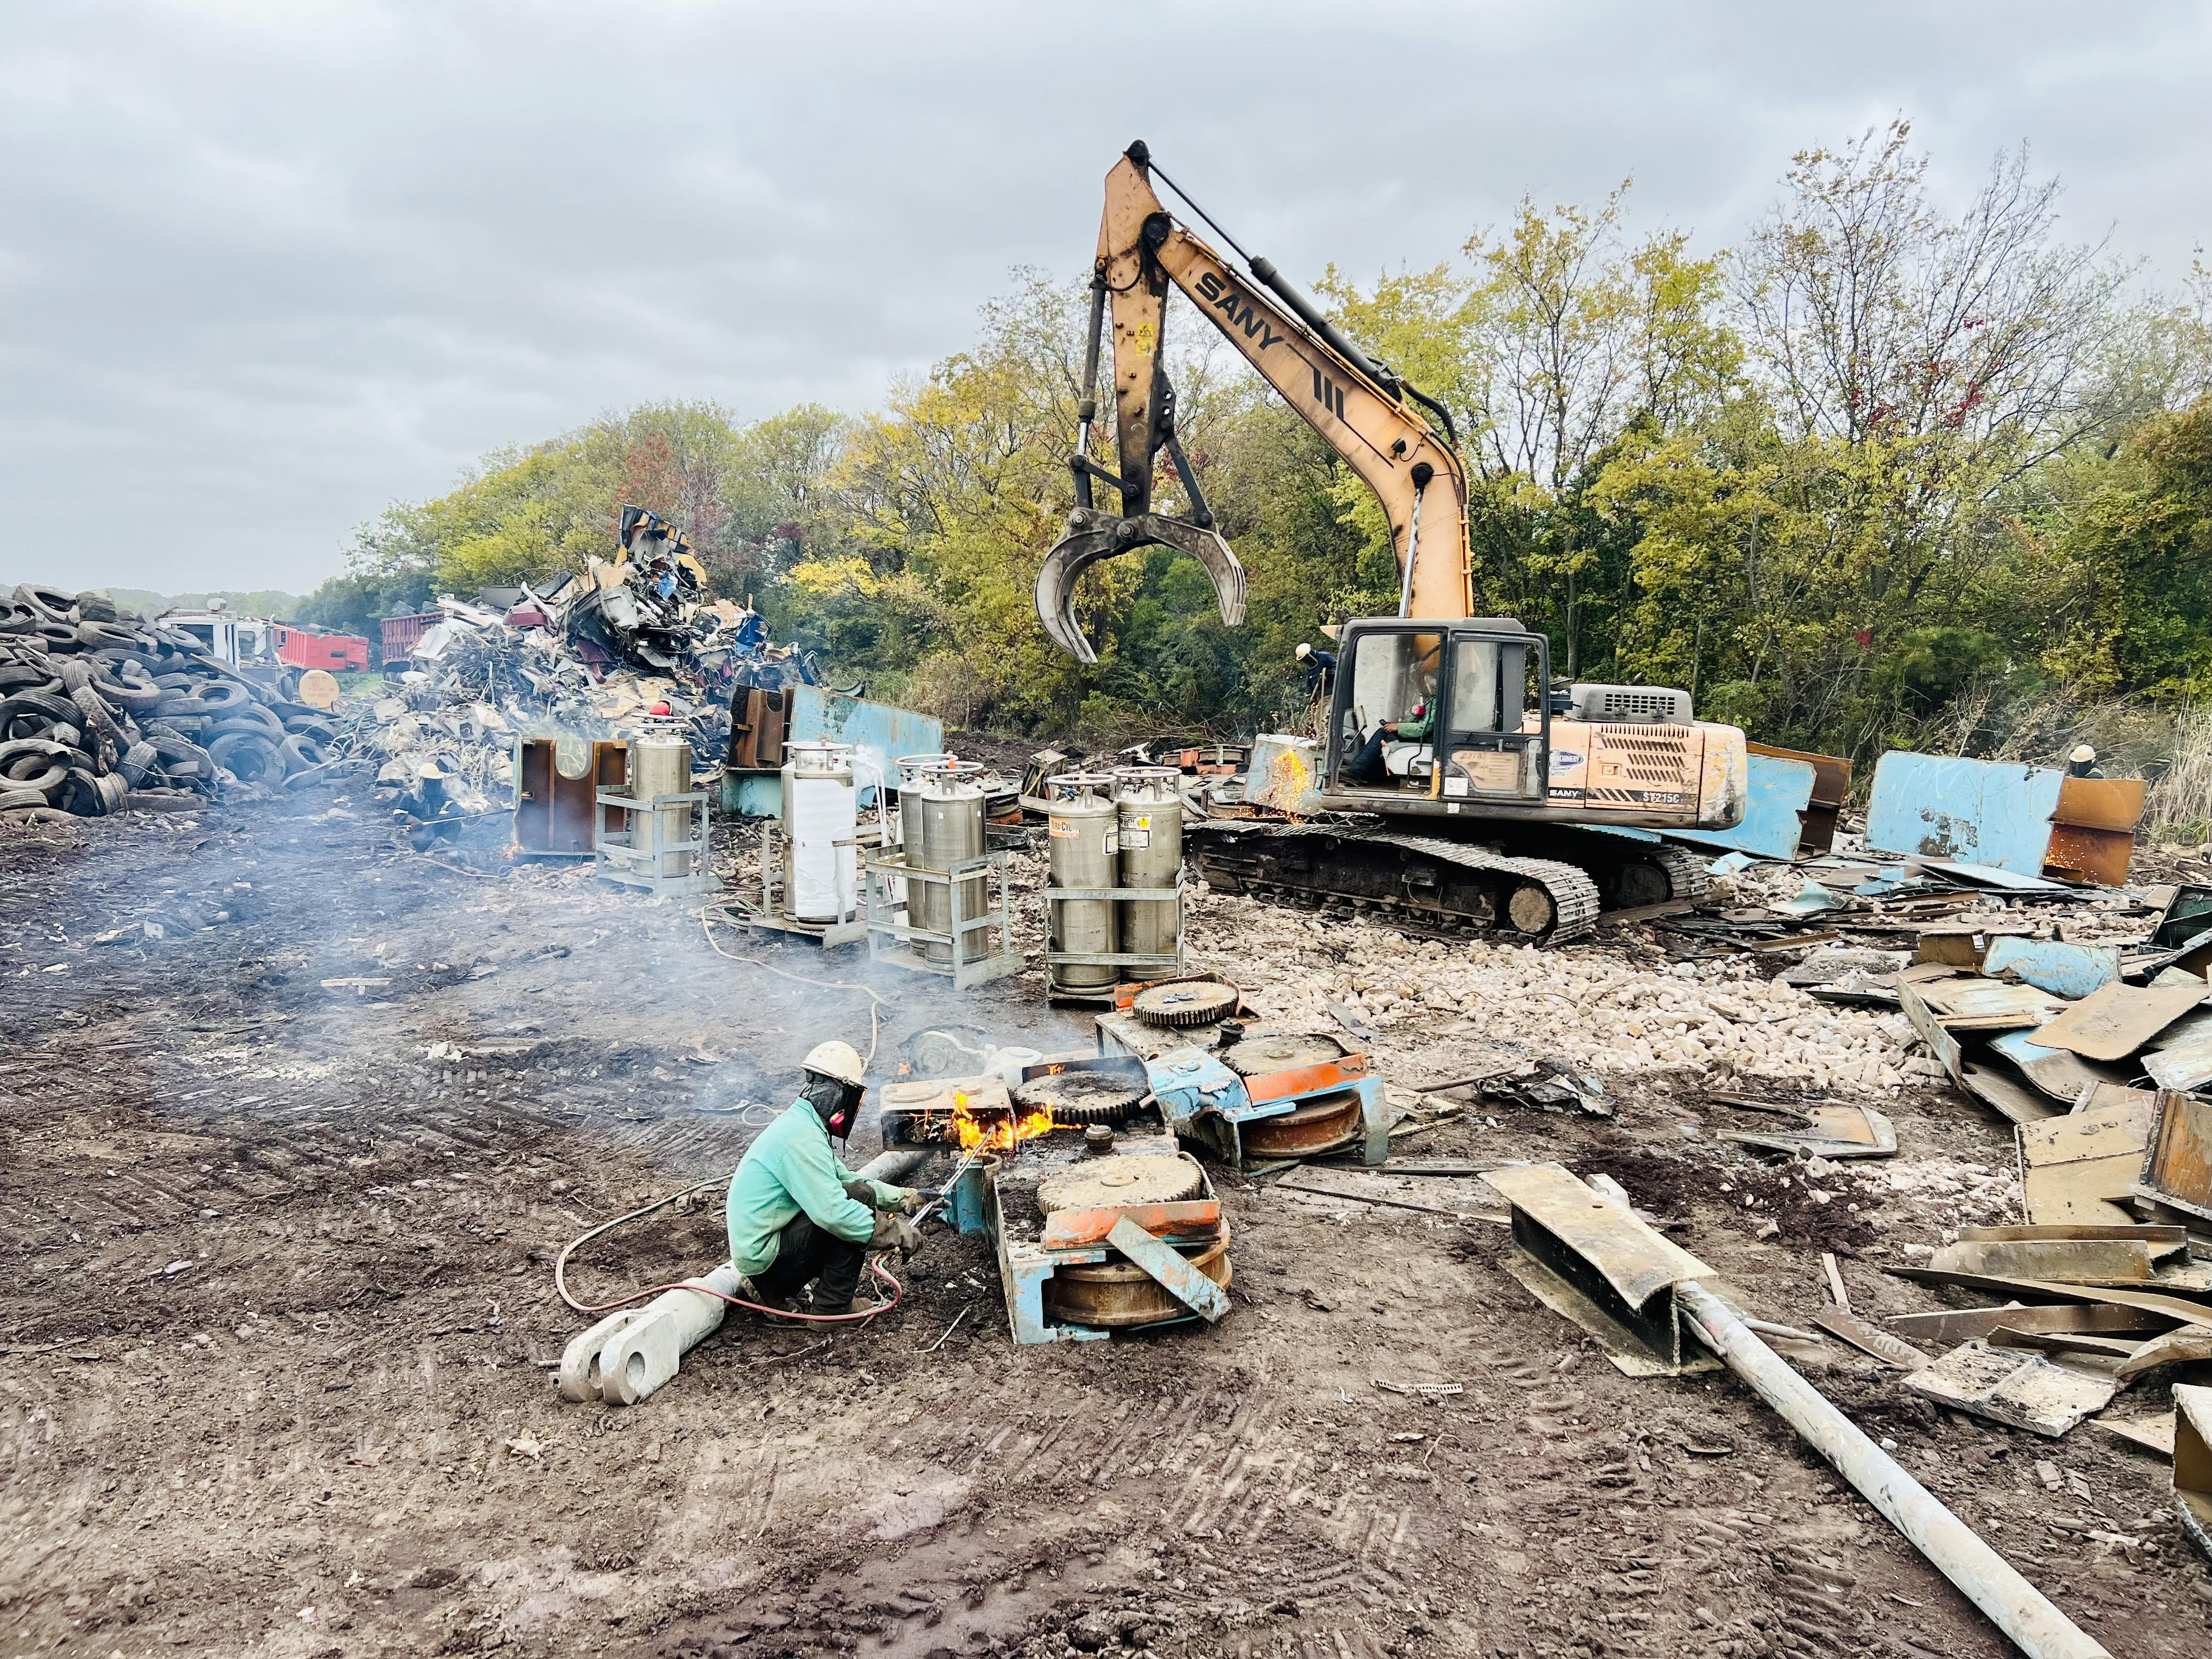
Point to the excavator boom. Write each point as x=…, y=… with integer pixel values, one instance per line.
x=1364, y=412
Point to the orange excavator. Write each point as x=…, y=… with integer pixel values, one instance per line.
x=1454, y=788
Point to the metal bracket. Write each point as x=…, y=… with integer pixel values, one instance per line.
x=1173, y=1273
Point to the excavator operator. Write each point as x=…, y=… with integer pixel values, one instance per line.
x=797, y=1215
x=1367, y=766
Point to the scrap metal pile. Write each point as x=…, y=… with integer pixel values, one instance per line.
x=587, y=658
x=102, y=713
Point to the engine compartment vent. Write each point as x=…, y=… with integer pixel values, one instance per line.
x=1641, y=705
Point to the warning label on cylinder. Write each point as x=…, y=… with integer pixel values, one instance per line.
x=1138, y=837
x=1063, y=828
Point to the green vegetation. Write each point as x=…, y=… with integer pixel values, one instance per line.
x=1877, y=466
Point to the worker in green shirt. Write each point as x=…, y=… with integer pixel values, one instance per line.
x=1367, y=766
x=797, y=1215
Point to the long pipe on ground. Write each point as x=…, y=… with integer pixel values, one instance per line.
x=1985, y=1577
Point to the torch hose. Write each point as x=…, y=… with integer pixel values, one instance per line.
x=560, y=1267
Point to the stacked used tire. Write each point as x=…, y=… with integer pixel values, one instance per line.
x=102, y=713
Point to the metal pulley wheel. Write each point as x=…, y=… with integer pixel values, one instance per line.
x=1081, y=1097
x=1185, y=1003
x=1118, y=1294
x=1313, y=1125
x=1119, y=1182
x=1261, y=1052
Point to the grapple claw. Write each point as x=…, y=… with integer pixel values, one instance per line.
x=1092, y=535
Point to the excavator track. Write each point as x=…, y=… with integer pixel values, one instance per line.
x=1629, y=873
x=1415, y=883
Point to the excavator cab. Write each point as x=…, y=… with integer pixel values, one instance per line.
x=1469, y=699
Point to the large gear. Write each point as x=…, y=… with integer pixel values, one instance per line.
x=1262, y=1053
x=1185, y=1002
x=1082, y=1096
x=1119, y=1182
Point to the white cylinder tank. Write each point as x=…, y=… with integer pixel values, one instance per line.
x=820, y=821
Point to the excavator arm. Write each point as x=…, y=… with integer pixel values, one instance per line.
x=1365, y=413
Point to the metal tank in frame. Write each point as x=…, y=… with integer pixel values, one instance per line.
x=660, y=764
x=1083, y=823
x=1149, y=831
x=941, y=824
x=820, y=868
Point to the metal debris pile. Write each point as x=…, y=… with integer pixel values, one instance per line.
x=103, y=713
x=589, y=659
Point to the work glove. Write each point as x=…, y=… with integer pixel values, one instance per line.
x=907, y=1202
x=895, y=1232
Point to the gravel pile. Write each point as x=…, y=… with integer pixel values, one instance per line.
x=1593, y=1006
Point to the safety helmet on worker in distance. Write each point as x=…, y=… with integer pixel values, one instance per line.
x=836, y=1059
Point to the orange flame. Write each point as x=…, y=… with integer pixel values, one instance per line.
x=995, y=1131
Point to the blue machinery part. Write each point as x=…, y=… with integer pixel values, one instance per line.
x=1025, y=1266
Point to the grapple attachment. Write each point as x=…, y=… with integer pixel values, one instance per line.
x=1092, y=535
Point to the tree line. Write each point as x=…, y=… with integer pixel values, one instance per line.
x=1881, y=463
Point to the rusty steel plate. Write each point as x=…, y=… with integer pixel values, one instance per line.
x=1117, y=1295
x=1081, y=1097
x=1185, y=1003
x=1311, y=1126
x=1263, y=1051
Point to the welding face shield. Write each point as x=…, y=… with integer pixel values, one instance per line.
x=837, y=1103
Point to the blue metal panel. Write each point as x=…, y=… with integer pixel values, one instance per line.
x=1987, y=812
x=878, y=732
x=1778, y=791
x=2064, y=970
x=753, y=794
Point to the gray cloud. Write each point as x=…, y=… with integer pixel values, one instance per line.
x=264, y=268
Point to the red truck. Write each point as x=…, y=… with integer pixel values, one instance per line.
x=313, y=647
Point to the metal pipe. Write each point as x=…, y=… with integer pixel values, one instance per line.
x=1412, y=542
x=1308, y=314
x=1985, y=1577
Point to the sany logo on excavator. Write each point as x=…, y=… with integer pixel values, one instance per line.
x=1239, y=309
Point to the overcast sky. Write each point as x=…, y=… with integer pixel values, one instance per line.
x=265, y=268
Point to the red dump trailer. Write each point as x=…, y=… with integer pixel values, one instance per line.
x=313, y=647
x=400, y=634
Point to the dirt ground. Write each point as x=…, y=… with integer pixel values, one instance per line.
x=278, y=1337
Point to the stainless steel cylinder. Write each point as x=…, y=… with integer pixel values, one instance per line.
x=660, y=764
x=943, y=825
x=912, y=770
x=820, y=860
x=1149, y=833
x=1084, y=823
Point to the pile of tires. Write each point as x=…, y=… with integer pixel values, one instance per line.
x=101, y=713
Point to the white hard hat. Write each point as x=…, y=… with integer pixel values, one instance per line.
x=1304, y=651
x=838, y=1060
x=2082, y=753
x=432, y=773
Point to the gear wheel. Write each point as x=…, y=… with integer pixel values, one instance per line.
x=1263, y=1051
x=1185, y=1002
x=1119, y=1181
x=1076, y=1098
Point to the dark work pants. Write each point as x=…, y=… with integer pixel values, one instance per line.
x=1367, y=765
x=805, y=1252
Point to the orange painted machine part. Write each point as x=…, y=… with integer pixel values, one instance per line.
x=1072, y=1229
